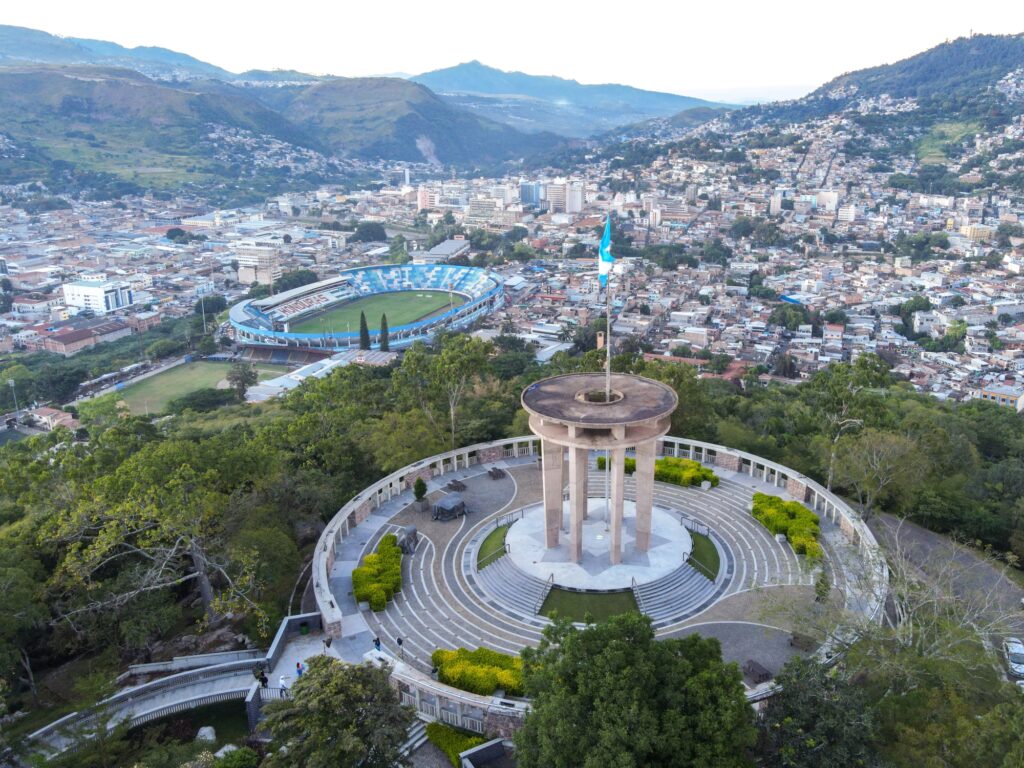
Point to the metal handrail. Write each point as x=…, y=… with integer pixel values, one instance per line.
x=548, y=584
x=480, y=560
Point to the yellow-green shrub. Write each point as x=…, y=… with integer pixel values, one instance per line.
x=452, y=742
x=671, y=469
x=797, y=522
x=380, y=576
x=481, y=671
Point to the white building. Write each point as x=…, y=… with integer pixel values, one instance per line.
x=100, y=297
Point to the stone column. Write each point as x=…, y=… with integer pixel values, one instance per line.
x=644, y=477
x=618, y=459
x=577, y=501
x=553, y=478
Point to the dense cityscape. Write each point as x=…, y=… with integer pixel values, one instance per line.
x=480, y=418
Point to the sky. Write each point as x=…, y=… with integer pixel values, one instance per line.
x=731, y=51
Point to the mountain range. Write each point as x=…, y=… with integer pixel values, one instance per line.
x=954, y=80
x=153, y=117
x=565, y=107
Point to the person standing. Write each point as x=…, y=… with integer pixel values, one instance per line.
x=298, y=670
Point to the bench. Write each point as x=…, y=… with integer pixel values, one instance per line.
x=756, y=672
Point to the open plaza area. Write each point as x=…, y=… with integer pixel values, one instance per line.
x=449, y=601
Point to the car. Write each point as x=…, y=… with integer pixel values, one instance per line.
x=1013, y=649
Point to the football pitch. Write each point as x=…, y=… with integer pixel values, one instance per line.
x=153, y=394
x=402, y=308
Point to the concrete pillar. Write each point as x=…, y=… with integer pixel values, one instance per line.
x=577, y=501
x=644, y=477
x=618, y=459
x=553, y=477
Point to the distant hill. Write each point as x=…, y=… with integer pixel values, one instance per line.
x=401, y=120
x=19, y=45
x=665, y=127
x=536, y=103
x=955, y=78
x=119, y=123
x=115, y=124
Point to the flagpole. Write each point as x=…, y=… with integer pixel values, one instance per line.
x=608, y=399
x=608, y=384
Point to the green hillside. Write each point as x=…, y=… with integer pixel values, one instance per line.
x=119, y=122
x=397, y=119
x=952, y=81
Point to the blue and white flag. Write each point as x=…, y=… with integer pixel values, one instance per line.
x=605, y=259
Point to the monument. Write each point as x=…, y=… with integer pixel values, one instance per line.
x=573, y=416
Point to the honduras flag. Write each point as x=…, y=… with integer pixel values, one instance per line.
x=605, y=260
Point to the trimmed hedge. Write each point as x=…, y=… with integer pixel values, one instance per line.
x=452, y=742
x=380, y=576
x=797, y=522
x=671, y=469
x=481, y=671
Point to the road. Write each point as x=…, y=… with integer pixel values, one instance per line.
x=973, y=575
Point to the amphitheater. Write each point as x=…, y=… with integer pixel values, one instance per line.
x=271, y=322
x=447, y=601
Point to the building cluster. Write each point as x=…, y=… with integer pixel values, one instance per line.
x=772, y=252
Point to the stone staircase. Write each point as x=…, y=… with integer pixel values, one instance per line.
x=671, y=598
x=511, y=588
x=417, y=737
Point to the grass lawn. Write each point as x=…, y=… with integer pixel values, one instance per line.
x=402, y=308
x=492, y=548
x=576, y=605
x=153, y=394
x=704, y=556
x=931, y=148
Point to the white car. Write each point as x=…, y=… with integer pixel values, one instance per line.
x=1013, y=649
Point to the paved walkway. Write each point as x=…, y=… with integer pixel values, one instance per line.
x=442, y=604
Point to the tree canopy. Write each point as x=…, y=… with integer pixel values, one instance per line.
x=612, y=695
x=339, y=714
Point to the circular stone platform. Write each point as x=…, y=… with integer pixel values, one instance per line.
x=670, y=547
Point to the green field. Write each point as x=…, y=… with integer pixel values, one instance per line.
x=931, y=148
x=153, y=394
x=598, y=606
x=492, y=548
x=704, y=556
x=402, y=308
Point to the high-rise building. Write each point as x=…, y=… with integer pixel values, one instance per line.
x=99, y=297
x=555, y=195
x=575, y=196
x=529, y=192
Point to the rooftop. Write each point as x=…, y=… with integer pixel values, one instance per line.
x=564, y=398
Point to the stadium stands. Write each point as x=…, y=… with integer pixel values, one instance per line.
x=266, y=322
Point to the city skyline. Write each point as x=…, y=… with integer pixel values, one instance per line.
x=738, y=65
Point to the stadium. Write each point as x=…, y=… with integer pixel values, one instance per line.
x=418, y=299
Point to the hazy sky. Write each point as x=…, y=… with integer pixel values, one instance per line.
x=727, y=50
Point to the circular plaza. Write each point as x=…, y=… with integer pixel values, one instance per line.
x=466, y=583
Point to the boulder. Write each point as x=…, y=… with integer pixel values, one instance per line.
x=226, y=749
x=207, y=734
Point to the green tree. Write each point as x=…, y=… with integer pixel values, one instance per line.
x=816, y=720
x=398, y=252
x=385, y=343
x=612, y=695
x=241, y=377
x=369, y=232
x=843, y=395
x=339, y=715
x=364, y=332
x=210, y=305
x=294, y=279
x=462, y=359
x=875, y=463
